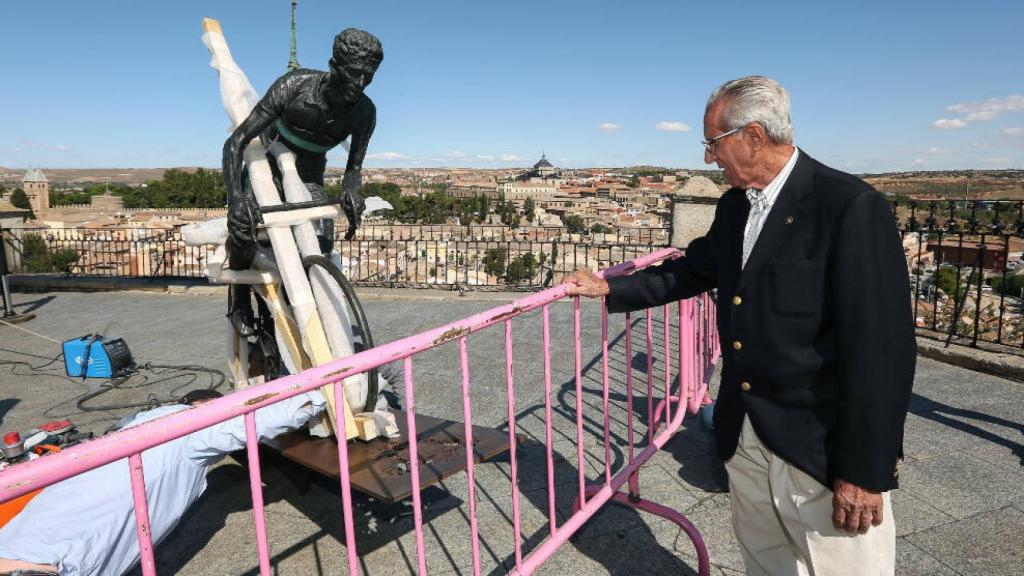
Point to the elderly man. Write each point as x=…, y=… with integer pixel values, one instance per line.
x=817, y=341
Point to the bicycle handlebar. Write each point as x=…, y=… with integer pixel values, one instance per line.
x=288, y=206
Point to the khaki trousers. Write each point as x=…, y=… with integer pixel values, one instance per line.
x=783, y=520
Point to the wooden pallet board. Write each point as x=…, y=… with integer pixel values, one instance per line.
x=379, y=468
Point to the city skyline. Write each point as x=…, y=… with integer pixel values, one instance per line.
x=875, y=88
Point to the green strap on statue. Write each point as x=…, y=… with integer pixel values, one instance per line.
x=298, y=141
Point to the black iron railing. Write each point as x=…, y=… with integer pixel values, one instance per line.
x=964, y=260
x=469, y=257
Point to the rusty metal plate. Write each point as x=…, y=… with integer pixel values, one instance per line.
x=380, y=468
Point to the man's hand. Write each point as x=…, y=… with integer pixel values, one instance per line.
x=353, y=204
x=855, y=509
x=583, y=282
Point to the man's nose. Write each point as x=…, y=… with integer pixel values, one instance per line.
x=709, y=156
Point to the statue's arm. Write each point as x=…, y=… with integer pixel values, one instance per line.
x=351, y=201
x=268, y=109
x=357, y=151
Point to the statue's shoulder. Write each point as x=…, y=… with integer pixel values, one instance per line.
x=366, y=106
x=299, y=77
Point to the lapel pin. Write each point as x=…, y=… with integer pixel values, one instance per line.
x=789, y=219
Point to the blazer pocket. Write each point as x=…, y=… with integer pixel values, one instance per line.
x=796, y=288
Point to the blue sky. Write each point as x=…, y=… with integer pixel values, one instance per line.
x=875, y=86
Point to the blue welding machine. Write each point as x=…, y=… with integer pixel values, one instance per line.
x=93, y=357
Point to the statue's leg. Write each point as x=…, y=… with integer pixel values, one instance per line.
x=241, y=248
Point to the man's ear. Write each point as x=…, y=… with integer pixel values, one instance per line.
x=758, y=136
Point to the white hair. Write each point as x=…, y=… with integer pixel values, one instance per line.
x=755, y=99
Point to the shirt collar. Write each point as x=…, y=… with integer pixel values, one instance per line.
x=771, y=191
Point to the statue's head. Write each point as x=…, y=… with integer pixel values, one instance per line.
x=357, y=54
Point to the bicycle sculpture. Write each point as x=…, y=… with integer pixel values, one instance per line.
x=307, y=313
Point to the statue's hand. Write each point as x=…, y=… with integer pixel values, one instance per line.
x=353, y=205
x=243, y=219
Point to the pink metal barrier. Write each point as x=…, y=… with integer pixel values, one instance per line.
x=665, y=410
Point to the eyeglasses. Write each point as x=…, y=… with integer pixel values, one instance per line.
x=709, y=144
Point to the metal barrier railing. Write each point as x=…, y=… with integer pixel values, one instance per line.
x=697, y=349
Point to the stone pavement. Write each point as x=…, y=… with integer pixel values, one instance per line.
x=960, y=509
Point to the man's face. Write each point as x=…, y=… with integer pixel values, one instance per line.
x=350, y=78
x=732, y=153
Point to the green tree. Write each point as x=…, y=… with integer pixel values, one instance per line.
x=20, y=200
x=599, y=228
x=529, y=209
x=38, y=258
x=485, y=207
x=521, y=268
x=1012, y=286
x=575, y=224
x=945, y=280
x=495, y=260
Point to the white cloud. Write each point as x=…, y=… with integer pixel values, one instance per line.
x=510, y=158
x=664, y=126
x=995, y=161
x=936, y=151
x=456, y=154
x=1015, y=131
x=389, y=156
x=949, y=123
x=609, y=127
x=984, y=111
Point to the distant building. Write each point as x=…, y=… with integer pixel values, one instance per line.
x=693, y=209
x=542, y=182
x=956, y=252
x=37, y=188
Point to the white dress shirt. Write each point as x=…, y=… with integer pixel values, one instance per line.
x=761, y=202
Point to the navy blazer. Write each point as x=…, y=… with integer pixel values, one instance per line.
x=817, y=336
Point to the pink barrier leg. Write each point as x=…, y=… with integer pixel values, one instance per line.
x=512, y=441
x=467, y=428
x=634, y=479
x=581, y=463
x=414, y=465
x=604, y=397
x=652, y=421
x=142, y=527
x=668, y=364
x=685, y=367
x=252, y=448
x=703, y=561
x=346, y=484
x=547, y=419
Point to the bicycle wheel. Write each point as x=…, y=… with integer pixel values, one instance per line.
x=345, y=326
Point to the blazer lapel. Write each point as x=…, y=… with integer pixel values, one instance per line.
x=783, y=213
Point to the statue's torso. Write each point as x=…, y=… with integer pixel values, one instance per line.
x=306, y=113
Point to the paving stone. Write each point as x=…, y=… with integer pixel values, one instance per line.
x=962, y=485
x=912, y=561
x=913, y=514
x=989, y=543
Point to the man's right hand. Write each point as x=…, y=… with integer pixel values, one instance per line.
x=583, y=282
